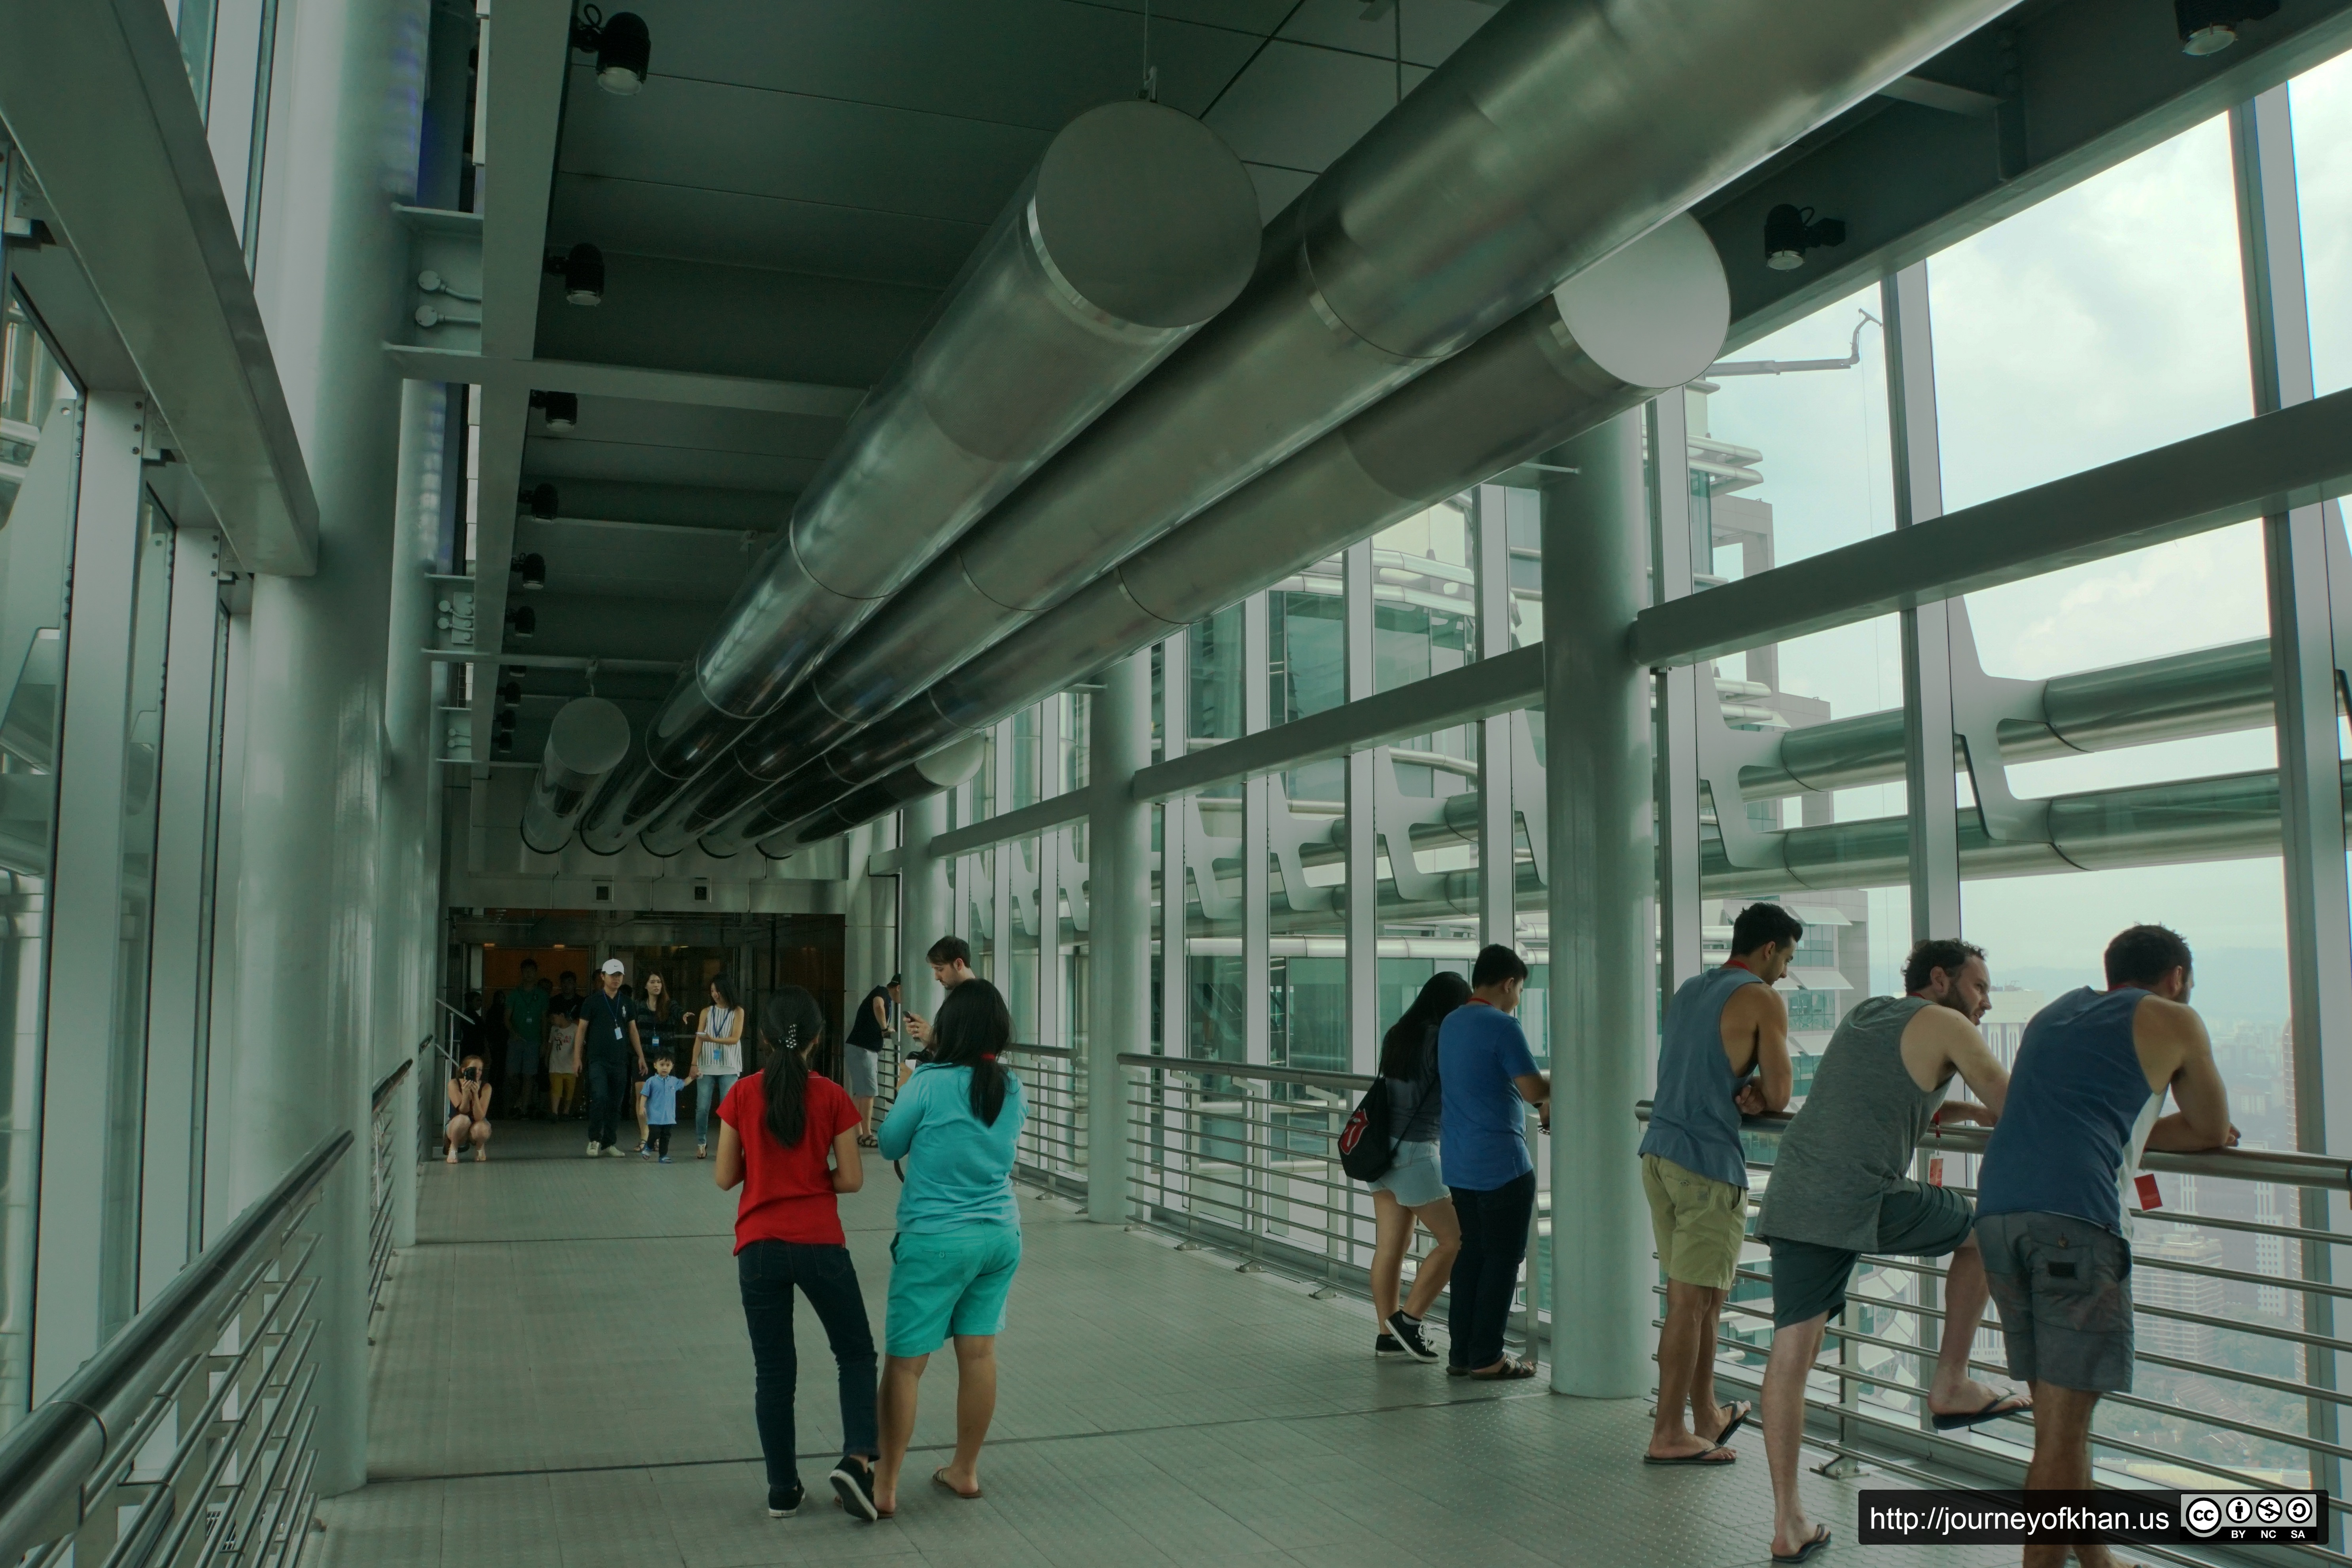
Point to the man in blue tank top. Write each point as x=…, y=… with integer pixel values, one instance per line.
x=2090, y=1078
x=1723, y=1053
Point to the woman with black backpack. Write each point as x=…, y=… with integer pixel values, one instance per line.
x=1410, y=1191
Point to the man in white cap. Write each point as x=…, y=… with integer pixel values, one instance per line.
x=605, y=1039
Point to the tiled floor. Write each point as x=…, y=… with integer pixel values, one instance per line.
x=562, y=1377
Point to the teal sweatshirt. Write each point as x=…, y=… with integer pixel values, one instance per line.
x=959, y=1172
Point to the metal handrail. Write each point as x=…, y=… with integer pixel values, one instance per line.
x=391, y=1079
x=1353, y=1082
x=2279, y=1167
x=47, y=1461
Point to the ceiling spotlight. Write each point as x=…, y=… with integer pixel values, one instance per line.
x=2208, y=26
x=583, y=270
x=522, y=620
x=622, y=45
x=562, y=408
x=541, y=498
x=502, y=740
x=1791, y=231
x=510, y=692
x=532, y=569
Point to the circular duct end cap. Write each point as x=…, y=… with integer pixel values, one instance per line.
x=590, y=735
x=951, y=765
x=1654, y=313
x=1147, y=214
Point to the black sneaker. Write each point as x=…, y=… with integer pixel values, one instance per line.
x=853, y=1483
x=1407, y=1334
x=1387, y=1348
x=784, y=1501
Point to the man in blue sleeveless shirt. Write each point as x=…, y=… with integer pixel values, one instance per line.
x=1724, y=1052
x=2091, y=1077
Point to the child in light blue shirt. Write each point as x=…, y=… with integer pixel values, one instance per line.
x=657, y=1103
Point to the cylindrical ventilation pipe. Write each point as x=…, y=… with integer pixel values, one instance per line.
x=943, y=769
x=1533, y=151
x=589, y=739
x=1652, y=316
x=1136, y=225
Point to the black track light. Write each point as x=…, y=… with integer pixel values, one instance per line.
x=522, y=620
x=562, y=408
x=532, y=569
x=622, y=47
x=541, y=498
x=510, y=692
x=2208, y=26
x=583, y=270
x=502, y=741
x=1791, y=231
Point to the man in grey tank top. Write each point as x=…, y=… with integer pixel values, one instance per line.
x=1723, y=1053
x=1840, y=1187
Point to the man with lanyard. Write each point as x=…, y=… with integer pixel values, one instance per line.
x=2092, y=1074
x=1490, y=1079
x=607, y=1045
x=1723, y=1053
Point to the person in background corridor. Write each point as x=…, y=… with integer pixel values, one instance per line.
x=1842, y=1186
x=657, y=1108
x=525, y=1039
x=861, y=1060
x=1490, y=1079
x=956, y=1125
x=658, y=1029
x=2085, y=1102
x=1412, y=1191
x=950, y=962
x=788, y=1137
x=470, y=1110
x=717, y=1056
x=473, y=1035
x=1724, y=1052
x=563, y=1029
x=607, y=1045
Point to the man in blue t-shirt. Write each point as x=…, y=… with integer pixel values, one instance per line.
x=1490, y=1079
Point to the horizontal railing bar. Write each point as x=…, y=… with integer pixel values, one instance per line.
x=1350, y=1081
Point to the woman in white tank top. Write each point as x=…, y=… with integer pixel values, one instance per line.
x=718, y=1058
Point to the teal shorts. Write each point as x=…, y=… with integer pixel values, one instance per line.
x=948, y=1282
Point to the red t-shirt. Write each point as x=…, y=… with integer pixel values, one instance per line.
x=788, y=1193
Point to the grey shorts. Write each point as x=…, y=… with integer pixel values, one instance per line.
x=2064, y=1288
x=1413, y=1179
x=1810, y=1279
x=858, y=1067
x=522, y=1057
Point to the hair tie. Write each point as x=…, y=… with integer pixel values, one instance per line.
x=988, y=1056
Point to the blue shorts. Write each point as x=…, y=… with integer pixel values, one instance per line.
x=948, y=1282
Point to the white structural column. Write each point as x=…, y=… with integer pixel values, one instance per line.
x=1118, y=905
x=75, y=1292
x=1175, y=914
x=1674, y=553
x=923, y=914
x=408, y=956
x=310, y=910
x=1597, y=789
x=1931, y=790
x=2304, y=661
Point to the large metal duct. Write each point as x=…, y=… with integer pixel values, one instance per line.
x=589, y=739
x=1138, y=226
x=943, y=769
x=1652, y=316
x=1560, y=132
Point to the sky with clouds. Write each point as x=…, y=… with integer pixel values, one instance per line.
x=2102, y=322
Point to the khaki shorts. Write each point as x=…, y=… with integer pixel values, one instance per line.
x=1699, y=1221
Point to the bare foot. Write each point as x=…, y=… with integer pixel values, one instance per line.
x=1685, y=1445
x=965, y=1485
x=1969, y=1397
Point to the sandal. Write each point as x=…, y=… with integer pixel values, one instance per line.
x=1509, y=1369
x=940, y=1479
x=868, y=1141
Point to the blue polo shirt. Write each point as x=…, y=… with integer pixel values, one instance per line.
x=1482, y=1133
x=661, y=1100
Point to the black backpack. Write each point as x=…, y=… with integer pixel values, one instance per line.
x=1367, y=1147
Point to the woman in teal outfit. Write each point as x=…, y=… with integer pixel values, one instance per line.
x=955, y=1124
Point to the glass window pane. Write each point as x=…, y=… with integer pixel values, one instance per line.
x=2322, y=98
x=2104, y=322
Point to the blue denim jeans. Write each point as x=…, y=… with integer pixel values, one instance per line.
x=766, y=1272
x=708, y=1090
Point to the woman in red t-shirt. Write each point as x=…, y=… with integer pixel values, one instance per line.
x=778, y=1127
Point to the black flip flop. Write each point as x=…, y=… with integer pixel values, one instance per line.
x=1741, y=1410
x=1805, y=1554
x=1998, y=1405
x=1704, y=1457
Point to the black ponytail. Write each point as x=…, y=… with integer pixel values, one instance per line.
x=790, y=1025
x=1412, y=1040
x=972, y=1028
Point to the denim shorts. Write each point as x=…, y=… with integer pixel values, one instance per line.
x=948, y=1282
x=1413, y=1179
